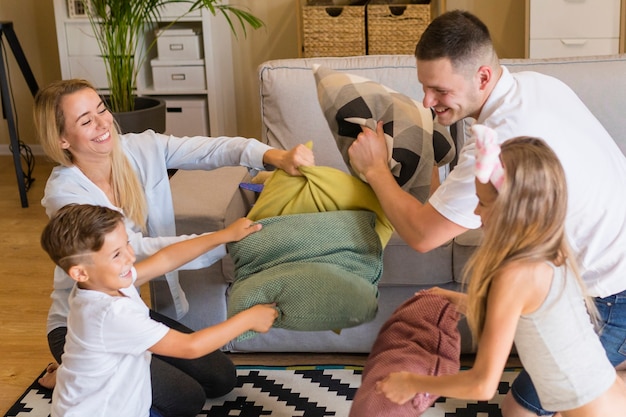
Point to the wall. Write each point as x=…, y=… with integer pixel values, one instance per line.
x=505, y=20
x=33, y=23
x=277, y=40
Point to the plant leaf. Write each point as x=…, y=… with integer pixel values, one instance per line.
x=120, y=27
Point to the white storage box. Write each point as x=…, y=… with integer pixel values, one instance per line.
x=179, y=44
x=563, y=48
x=186, y=116
x=178, y=75
x=91, y=68
x=80, y=39
x=177, y=10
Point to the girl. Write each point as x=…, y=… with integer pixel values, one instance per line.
x=524, y=287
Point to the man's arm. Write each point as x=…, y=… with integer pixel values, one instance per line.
x=420, y=225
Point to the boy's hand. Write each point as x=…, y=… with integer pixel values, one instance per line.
x=262, y=317
x=241, y=228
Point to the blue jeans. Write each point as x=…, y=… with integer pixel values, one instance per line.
x=154, y=413
x=612, y=311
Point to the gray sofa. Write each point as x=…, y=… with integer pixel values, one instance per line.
x=290, y=113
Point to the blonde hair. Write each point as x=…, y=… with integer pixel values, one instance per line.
x=526, y=223
x=50, y=124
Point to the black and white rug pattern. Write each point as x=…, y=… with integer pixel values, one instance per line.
x=294, y=391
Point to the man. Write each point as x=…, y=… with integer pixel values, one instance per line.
x=462, y=78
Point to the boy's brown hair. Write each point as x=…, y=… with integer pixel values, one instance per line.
x=76, y=231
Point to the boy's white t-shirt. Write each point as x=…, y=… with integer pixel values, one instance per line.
x=106, y=364
x=533, y=104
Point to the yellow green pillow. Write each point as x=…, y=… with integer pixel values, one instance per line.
x=319, y=189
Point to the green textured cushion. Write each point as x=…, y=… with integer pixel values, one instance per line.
x=321, y=269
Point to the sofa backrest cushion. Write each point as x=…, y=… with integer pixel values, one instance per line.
x=290, y=110
x=291, y=114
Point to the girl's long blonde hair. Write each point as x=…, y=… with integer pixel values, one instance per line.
x=50, y=124
x=526, y=223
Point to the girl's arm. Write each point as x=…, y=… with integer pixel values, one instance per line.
x=457, y=298
x=193, y=345
x=510, y=292
x=179, y=253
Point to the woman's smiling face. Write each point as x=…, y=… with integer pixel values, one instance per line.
x=87, y=126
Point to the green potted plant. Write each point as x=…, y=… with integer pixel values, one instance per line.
x=120, y=28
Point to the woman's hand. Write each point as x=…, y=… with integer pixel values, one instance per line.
x=289, y=161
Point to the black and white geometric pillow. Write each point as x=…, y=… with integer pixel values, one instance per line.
x=415, y=142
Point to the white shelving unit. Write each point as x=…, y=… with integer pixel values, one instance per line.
x=80, y=58
x=566, y=28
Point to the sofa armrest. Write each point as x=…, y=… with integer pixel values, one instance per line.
x=206, y=201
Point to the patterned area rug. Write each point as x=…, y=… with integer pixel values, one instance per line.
x=294, y=391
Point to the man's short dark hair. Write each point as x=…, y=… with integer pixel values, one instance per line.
x=457, y=35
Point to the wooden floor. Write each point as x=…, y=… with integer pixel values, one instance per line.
x=26, y=273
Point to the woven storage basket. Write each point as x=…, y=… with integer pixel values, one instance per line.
x=333, y=30
x=395, y=28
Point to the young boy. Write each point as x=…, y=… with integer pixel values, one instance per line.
x=106, y=364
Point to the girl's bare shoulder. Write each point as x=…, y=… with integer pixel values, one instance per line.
x=529, y=281
x=524, y=269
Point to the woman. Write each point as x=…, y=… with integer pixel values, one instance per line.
x=128, y=173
